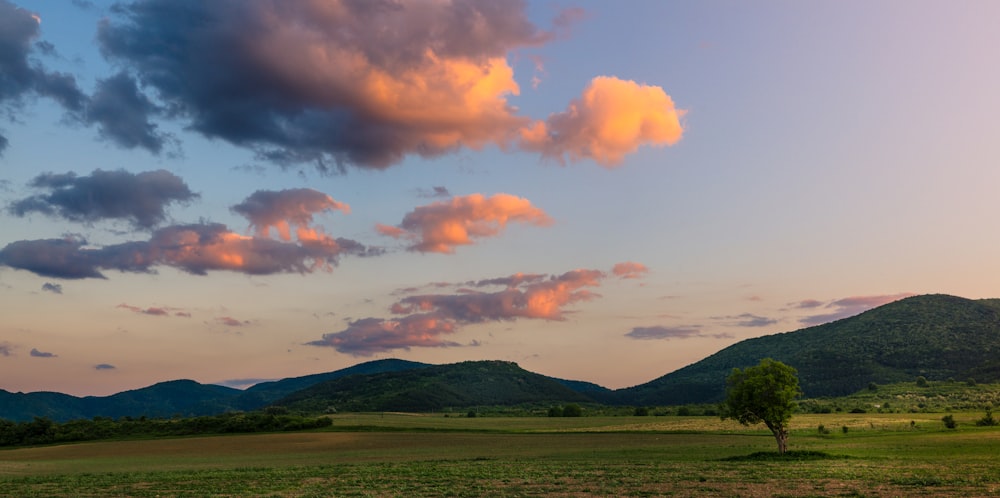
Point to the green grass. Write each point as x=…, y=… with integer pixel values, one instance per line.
x=423, y=455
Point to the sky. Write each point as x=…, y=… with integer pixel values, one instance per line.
x=245, y=190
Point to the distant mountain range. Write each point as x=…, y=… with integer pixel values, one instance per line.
x=935, y=336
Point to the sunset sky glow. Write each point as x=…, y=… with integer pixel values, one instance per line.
x=243, y=190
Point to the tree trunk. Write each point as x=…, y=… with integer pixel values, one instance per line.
x=781, y=436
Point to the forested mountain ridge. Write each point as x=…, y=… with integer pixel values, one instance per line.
x=935, y=336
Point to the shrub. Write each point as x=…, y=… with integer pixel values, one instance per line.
x=556, y=411
x=822, y=430
x=572, y=410
x=641, y=411
x=988, y=420
x=921, y=381
x=843, y=429
x=949, y=421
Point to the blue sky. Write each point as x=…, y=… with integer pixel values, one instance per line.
x=606, y=192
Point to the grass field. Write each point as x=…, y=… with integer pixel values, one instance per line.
x=425, y=455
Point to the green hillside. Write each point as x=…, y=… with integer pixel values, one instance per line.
x=458, y=385
x=935, y=336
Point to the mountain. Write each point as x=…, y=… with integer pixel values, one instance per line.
x=266, y=393
x=935, y=336
x=458, y=385
x=177, y=397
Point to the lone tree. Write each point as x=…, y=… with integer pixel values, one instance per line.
x=763, y=393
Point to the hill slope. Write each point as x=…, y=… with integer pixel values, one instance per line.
x=177, y=397
x=936, y=336
x=458, y=385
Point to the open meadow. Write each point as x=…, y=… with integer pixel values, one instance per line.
x=434, y=455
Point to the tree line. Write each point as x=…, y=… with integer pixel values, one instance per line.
x=43, y=430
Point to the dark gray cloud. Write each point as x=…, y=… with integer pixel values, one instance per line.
x=433, y=192
x=51, y=287
x=42, y=354
x=295, y=81
x=195, y=249
x=6, y=348
x=20, y=76
x=660, y=332
x=122, y=113
x=141, y=199
x=104, y=366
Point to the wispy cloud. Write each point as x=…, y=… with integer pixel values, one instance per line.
x=41, y=354
x=848, y=306
x=6, y=348
x=661, y=332
x=426, y=319
x=232, y=322
x=443, y=226
x=747, y=320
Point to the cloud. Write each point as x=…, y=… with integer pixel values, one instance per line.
x=850, y=306
x=612, y=118
x=41, y=354
x=195, y=249
x=368, y=336
x=807, y=304
x=629, y=270
x=436, y=191
x=231, y=322
x=20, y=75
x=747, y=320
x=6, y=348
x=428, y=317
x=141, y=199
x=146, y=311
x=104, y=366
x=285, y=209
x=660, y=332
x=53, y=288
x=444, y=225
x=122, y=113
x=360, y=83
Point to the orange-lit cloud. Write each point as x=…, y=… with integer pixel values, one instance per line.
x=337, y=83
x=194, y=248
x=612, y=118
x=286, y=209
x=629, y=270
x=429, y=316
x=442, y=226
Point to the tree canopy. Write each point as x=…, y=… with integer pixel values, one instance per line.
x=763, y=393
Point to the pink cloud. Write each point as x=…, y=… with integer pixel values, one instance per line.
x=849, y=306
x=428, y=317
x=612, y=118
x=231, y=322
x=442, y=226
x=153, y=311
x=630, y=270
x=368, y=336
x=286, y=209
